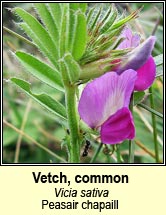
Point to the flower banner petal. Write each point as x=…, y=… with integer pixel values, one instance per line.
x=105, y=95
x=118, y=127
x=130, y=40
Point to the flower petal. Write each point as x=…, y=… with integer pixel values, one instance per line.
x=130, y=40
x=118, y=127
x=135, y=40
x=146, y=75
x=105, y=95
x=138, y=57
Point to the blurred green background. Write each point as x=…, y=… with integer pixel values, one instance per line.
x=48, y=130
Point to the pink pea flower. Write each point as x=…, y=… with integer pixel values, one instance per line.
x=130, y=40
x=104, y=106
x=138, y=59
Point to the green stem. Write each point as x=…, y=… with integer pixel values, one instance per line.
x=74, y=149
x=150, y=110
x=119, y=157
x=154, y=126
x=131, y=151
x=131, y=143
x=96, y=153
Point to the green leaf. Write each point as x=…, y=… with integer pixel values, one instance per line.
x=39, y=35
x=138, y=97
x=93, y=18
x=74, y=6
x=72, y=67
x=159, y=71
x=90, y=14
x=83, y=7
x=73, y=29
x=64, y=32
x=158, y=60
x=43, y=99
x=109, y=21
x=159, y=63
x=107, y=14
x=77, y=6
x=48, y=21
x=80, y=36
x=37, y=43
x=40, y=70
x=56, y=12
x=123, y=21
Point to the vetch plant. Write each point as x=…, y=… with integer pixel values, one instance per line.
x=92, y=49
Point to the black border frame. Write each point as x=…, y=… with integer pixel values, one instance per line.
x=81, y=164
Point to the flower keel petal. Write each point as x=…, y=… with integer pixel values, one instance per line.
x=145, y=75
x=118, y=127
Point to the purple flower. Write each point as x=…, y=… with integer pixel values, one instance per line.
x=145, y=75
x=130, y=40
x=139, y=59
x=104, y=105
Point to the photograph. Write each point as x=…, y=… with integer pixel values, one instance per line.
x=83, y=83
